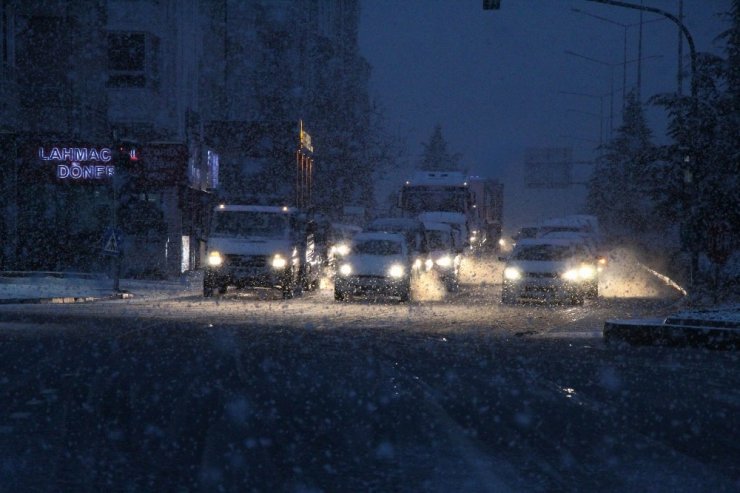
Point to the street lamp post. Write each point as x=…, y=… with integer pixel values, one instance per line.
x=690, y=163
x=611, y=80
x=624, y=27
x=674, y=19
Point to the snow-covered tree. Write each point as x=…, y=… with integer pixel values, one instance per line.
x=436, y=156
x=619, y=190
x=698, y=181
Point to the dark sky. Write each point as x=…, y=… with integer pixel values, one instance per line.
x=493, y=79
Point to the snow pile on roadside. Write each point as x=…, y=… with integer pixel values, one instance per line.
x=62, y=285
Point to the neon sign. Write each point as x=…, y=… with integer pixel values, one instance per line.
x=80, y=163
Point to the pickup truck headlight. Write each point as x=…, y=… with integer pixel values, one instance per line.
x=445, y=261
x=396, y=271
x=583, y=273
x=345, y=269
x=587, y=272
x=512, y=273
x=340, y=249
x=279, y=262
x=215, y=259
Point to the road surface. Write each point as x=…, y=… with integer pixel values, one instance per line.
x=249, y=392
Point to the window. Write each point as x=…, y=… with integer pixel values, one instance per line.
x=377, y=247
x=132, y=59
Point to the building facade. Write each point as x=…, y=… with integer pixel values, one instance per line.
x=137, y=115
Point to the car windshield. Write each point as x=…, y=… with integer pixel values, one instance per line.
x=377, y=247
x=438, y=240
x=542, y=252
x=243, y=224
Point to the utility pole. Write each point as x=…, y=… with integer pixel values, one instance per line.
x=624, y=27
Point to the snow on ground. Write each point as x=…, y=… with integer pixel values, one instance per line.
x=58, y=285
x=427, y=287
x=625, y=277
x=481, y=270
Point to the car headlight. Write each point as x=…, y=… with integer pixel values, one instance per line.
x=345, y=269
x=428, y=263
x=587, y=272
x=570, y=275
x=445, y=261
x=512, y=273
x=340, y=249
x=215, y=259
x=279, y=262
x=417, y=264
x=396, y=271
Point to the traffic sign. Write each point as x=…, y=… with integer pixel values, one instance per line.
x=112, y=240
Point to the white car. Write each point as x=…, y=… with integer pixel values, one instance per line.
x=593, y=249
x=549, y=270
x=377, y=263
x=444, y=255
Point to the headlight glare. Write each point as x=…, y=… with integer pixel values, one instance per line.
x=215, y=259
x=396, y=271
x=570, y=275
x=345, y=269
x=587, y=272
x=512, y=273
x=445, y=261
x=340, y=249
x=279, y=262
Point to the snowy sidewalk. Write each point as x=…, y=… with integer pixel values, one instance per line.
x=64, y=287
x=716, y=327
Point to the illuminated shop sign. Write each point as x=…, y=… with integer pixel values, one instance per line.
x=80, y=163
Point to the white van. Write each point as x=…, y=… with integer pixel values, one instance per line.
x=261, y=246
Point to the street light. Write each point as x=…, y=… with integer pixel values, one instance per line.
x=611, y=79
x=624, y=47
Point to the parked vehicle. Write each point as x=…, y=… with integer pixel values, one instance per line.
x=377, y=263
x=445, y=254
x=261, y=246
x=549, y=270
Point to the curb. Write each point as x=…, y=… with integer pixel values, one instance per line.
x=65, y=299
x=669, y=333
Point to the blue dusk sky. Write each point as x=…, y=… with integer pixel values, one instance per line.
x=495, y=80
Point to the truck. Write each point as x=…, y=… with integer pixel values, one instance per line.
x=259, y=246
x=488, y=197
x=475, y=202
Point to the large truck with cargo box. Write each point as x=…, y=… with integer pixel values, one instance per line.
x=478, y=200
